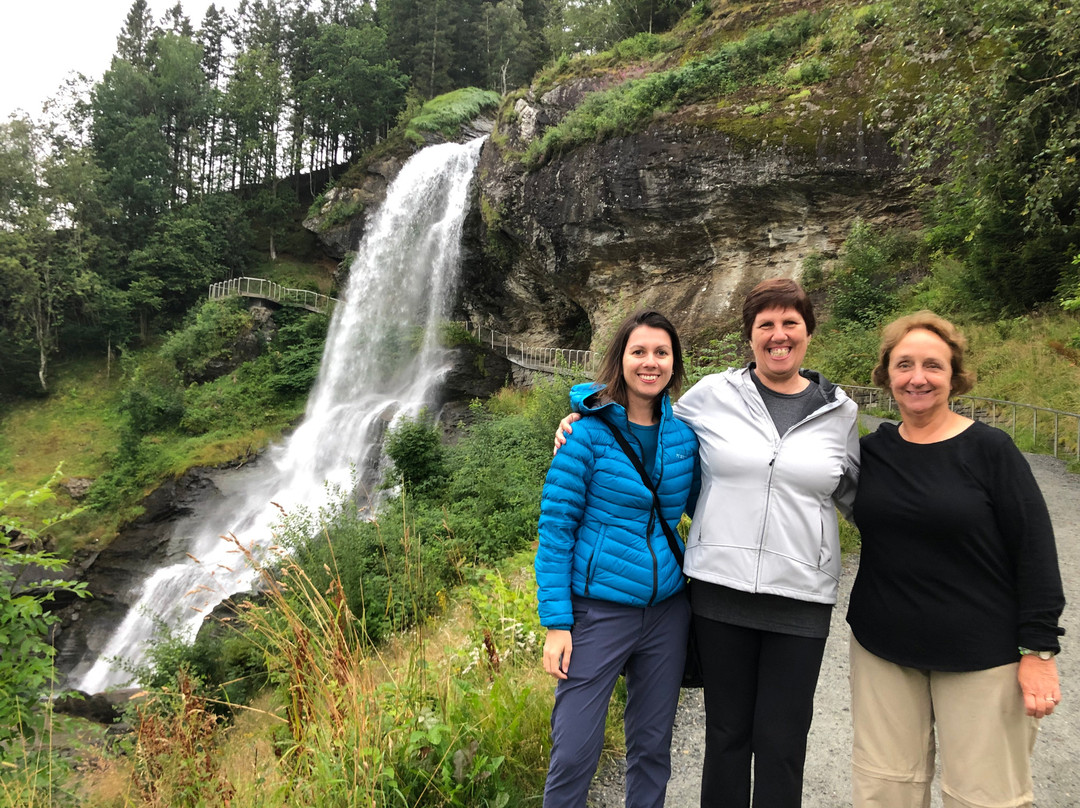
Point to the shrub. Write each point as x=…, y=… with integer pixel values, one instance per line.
x=719, y=355
x=454, y=334
x=27, y=673
x=640, y=46
x=414, y=447
x=153, y=398
x=864, y=282
x=209, y=333
x=809, y=71
x=844, y=352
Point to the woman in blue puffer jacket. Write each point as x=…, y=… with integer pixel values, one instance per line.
x=610, y=588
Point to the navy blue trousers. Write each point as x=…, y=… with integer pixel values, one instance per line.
x=650, y=644
x=759, y=702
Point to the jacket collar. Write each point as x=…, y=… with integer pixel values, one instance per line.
x=584, y=399
x=828, y=389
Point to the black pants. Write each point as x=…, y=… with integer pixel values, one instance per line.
x=759, y=702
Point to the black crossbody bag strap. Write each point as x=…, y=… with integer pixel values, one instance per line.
x=673, y=543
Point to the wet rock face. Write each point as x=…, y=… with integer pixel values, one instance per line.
x=475, y=372
x=114, y=574
x=680, y=217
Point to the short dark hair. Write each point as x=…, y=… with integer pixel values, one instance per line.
x=611, y=369
x=962, y=379
x=777, y=293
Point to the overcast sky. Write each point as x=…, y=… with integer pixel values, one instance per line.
x=46, y=40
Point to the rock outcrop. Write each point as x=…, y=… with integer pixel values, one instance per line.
x=683, y=216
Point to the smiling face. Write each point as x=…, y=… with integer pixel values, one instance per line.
x=779, y=338
x=920, y=374
x=647, y=363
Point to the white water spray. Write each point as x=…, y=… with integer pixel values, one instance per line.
x=399, y=290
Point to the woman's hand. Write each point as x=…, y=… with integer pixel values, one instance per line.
x=1039, y=684
x=565, y=429
x=557, y=647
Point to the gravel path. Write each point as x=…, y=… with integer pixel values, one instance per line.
x=827, y=785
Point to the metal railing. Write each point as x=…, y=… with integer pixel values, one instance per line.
x=551, y=360
x=1055, y=430
x=268, y=290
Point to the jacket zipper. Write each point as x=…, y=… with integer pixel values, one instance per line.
x=777, y=445
x=652, y=511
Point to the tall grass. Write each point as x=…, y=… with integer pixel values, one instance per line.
x=446, y=113
x=450, y=713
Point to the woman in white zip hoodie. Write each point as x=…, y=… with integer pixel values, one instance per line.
x=779, y=449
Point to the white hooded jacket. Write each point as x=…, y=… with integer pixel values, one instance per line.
x=766, y=520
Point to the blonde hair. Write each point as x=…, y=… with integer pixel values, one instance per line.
x=962, y=379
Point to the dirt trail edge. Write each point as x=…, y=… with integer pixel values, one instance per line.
x=1056, y=762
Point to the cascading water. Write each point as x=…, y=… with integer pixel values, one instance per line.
x=399, y=289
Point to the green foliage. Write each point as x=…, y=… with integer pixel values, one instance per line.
x=632, y=104
x=813, y=272
x=1070, y=287
x=482, y=508
x=506, y=628
x=166, y=425
x=593, y=26
x=27, y=674
x=172, y=757
x=864, y=282
x=453, y=334
x=153, y=399
x=209, y=335
x=640, y=46
x=850, y=538
x=341, y=212
x=446, y=113
x=296, y=352
x=844, y=352
x=716, y=357
x=224, y=665
x=951, y=288
x=993, y=126
x=808, y=71
x=414, y=446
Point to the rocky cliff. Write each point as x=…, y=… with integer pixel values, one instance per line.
x=682, y=217
x=693, y=208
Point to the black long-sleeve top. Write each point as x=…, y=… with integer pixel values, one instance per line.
x=958, y=565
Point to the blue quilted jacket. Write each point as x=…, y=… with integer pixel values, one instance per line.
x=598, y=537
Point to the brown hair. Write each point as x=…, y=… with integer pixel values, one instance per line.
x=611, y=370
x=962, y=379
x=778, y=293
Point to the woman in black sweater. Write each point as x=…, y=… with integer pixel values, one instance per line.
x=954, y=611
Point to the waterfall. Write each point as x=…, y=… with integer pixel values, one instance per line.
x=398, y=292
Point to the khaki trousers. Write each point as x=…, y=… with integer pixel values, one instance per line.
x=983, y=733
